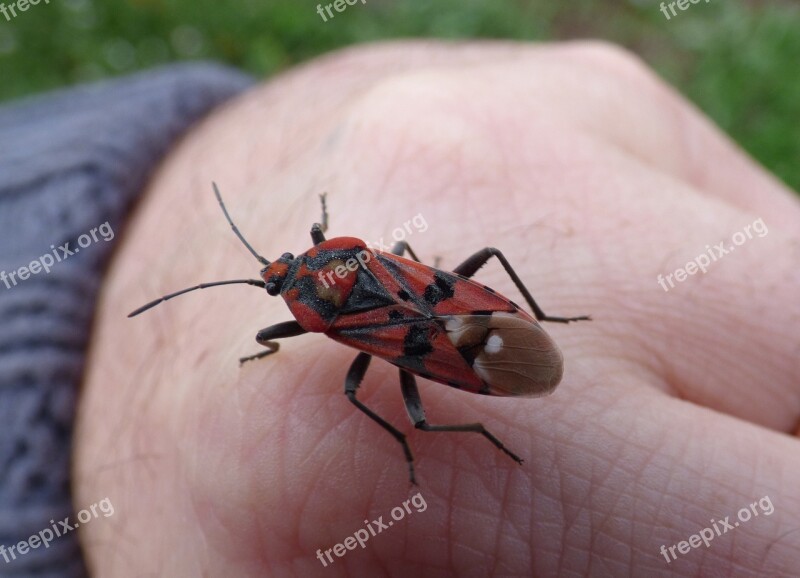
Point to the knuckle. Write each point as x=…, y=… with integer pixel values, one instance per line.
x=611, y=58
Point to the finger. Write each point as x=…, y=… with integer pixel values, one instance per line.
x=631, y=471
x=635, y=110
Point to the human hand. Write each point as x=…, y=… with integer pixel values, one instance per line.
x=677, y=407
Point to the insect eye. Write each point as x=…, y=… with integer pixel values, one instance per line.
x=287, y=257
x=272, y=289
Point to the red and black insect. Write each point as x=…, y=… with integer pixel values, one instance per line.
x=438, y=325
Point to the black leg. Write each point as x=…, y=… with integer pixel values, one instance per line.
x=478, y=260
x=354, y=377
x=417, y=414
x=318, y=229
x=277, y=331
x=402, y=247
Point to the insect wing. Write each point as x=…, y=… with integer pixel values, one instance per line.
x=451, y=330
x=512, y=355
x=439, y=292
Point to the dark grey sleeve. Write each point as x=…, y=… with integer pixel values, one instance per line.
x=70, y=162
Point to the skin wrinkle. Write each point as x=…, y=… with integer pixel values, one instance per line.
x=568, y=525
x=421, y=149
x=641, y=522
x=766, y=554
x=723, y=550
x=601, y=485
x=601, y=534
x=640, y=525
x=519, y=532
x=694, y=329
x=483, y=520
x=609, y=513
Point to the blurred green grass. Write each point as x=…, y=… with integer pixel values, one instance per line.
x=736, y=59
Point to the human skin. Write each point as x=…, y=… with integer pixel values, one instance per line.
x=593, y=177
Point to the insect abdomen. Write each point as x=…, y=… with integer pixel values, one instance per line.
x=513, y=355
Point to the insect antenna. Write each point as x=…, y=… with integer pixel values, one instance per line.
x=152, y=304
x=261, y=259
x=254, y=282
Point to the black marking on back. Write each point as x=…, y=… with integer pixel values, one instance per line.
x=416, y=345
x=399, y=274
x=394, y=315
x=367, y=294
x=469, y=353
x=307, y=294
x=417, y=342
x=440, y=289
x=365, y=335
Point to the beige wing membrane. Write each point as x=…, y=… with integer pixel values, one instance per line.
x=513, y=355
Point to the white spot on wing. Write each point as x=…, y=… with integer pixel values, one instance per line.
x=518, y=357
x=494, y=344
